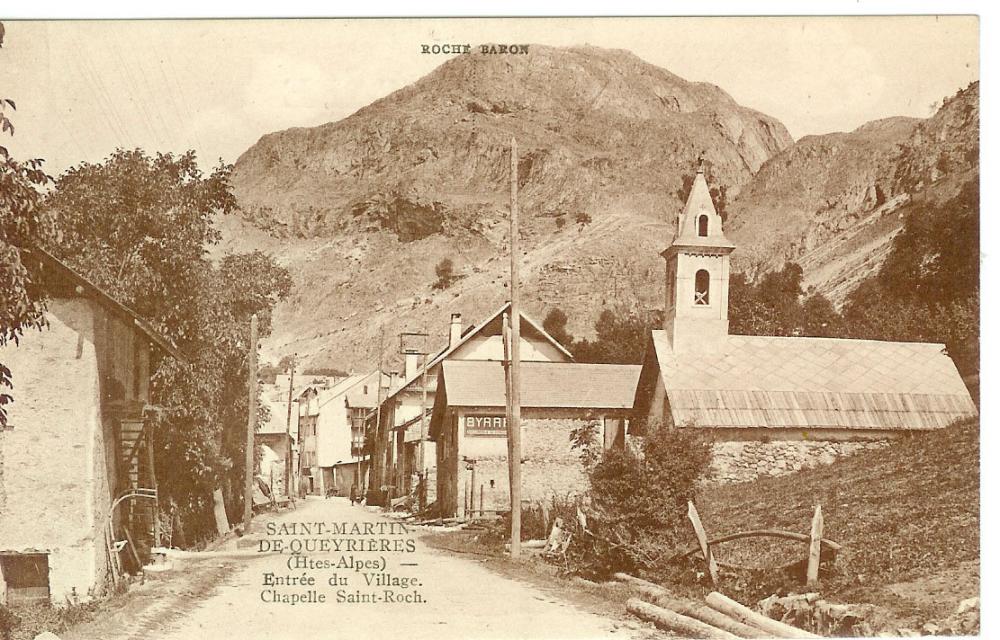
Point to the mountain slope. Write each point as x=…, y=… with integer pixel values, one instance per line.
x=834, y=202
x=366, y=207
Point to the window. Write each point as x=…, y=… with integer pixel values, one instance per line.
x=703, y=226
x=701, y=280
x=26, y=576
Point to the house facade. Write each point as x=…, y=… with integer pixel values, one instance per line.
x=776, y=404
x=401, y=409
x=77, y=472
x=280, y=436
x=469, y=426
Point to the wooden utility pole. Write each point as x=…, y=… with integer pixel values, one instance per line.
x=422, y=486
x=376, y=460
x=251, y=423
x=289, y=490
x=514, y=423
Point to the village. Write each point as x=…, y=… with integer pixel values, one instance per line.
x=760, y=463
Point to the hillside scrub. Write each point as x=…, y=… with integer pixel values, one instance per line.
x=901, y=513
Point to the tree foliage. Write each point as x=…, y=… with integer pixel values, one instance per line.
x=445, y=272
x=621, y=336
x=555, y=325
x=777, y=305
x=639, y=498
x=140, y=226
x=22, y=224
x=928, y=287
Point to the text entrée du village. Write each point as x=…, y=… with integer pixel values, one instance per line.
x=339, y=563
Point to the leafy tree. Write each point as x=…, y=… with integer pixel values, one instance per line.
x=622, y=334
x=639, y=497
x=778, y=306
x=22, y=304
x=928, y=287
x=140, y=226
x=555, y=325
x=583, y=219
x=445, y=271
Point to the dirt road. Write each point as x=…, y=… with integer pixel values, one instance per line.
x=452, y=596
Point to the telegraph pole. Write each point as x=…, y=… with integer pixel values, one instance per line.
x=251, y=423
x=289, y=491
x=514, y=424
x=422, y=487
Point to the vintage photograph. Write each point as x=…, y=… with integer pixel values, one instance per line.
x=638, y=327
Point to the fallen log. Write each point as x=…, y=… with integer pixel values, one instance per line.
x=659, y=596
x=747, y=616
x=705, y=614
x=671, y=621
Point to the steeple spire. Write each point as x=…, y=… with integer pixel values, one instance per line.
x=696, y=306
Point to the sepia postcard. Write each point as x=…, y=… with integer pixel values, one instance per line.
x=293, y=311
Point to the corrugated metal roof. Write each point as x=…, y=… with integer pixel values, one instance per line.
x=480, y=383
x=802, y=383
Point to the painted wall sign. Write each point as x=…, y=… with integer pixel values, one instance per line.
x=495, y=426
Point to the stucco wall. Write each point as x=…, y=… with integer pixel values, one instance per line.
x=551, y=467
x=333, y=433
x=56, y=473
x=745, y=460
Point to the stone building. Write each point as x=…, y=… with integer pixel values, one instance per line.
x=400, y=409
x=75, y=454
x=775, y=404
x=469, y=427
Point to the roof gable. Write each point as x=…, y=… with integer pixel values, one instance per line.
x=53, y=269
x=433, y=363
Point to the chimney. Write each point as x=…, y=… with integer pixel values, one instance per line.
x=455, y=332
x=410, y=364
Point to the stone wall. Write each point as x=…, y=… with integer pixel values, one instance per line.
x=551, y=467
x=745, y=460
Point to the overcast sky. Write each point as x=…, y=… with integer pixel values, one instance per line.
x=84, y=88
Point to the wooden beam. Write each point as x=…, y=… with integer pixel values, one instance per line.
x=815, y=539
x=706, y=550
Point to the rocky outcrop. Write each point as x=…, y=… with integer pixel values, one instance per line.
x=834, y=202
x=361, y=210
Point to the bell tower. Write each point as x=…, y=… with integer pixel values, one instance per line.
x=696, y=309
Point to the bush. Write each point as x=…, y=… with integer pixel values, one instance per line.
x=639, y=502
x=445, y=271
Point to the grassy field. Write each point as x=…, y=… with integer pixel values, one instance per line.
x=907, y=515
